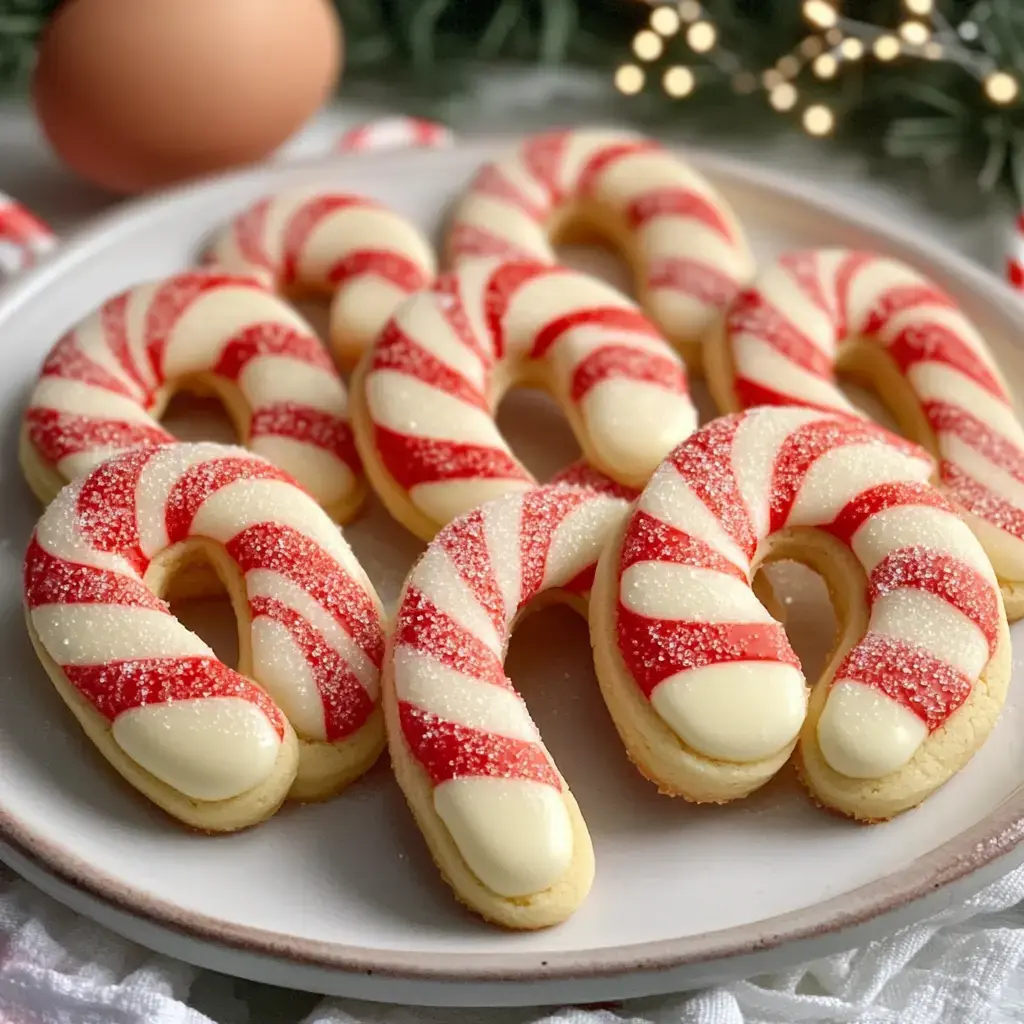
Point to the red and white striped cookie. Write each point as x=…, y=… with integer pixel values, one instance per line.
x=880, y=322
x=106, y=382
x=325, y=242
x=496, y=813
x=687, y=250
x=24, y=238
x=703, y=684
x=214, y=747
x=424, y=398
x=395, y=133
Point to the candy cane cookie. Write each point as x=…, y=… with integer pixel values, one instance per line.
x=497, y=815
x=105, y=384
x=704, y=687
x=218, y=749
x=879, y=322
x=685, y=246
x=425, y=395
x=317, y=241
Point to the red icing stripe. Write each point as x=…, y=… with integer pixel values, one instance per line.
x=933, y=342
x=345, y=701
x=691, y=277
x=808, y=443
x=282, y=549
x=899, y=298
x=879, y=498
x=67, y=361
x=448, y=751
x=610, y=318
x=304, y=221
x=604, y=158
x=469, y=240
x=114, y=322
x=399, y=270
x=425, y=628
x=750, y=393
x=542, y=156
x=987, y=442
x=395, y=350
x=704, y=461
x=106, y=511
x=170, y=302
x=620, y=362
x=56, y=435
x=249, y=230
x=501, y=289
x=583, y=582
x=674, y=201
x=651, y=540
x=541, y=515
x=946, y=577
x=270, y=339
x=654, y=649
x=422, y=460
x=122, y=685
x=309, y=425
x=804, y=268
x=454, y=314
x=976, y=498
x=909, y=675
x=490, y=180
x=753, y=314
x=465, y=543
x=198, y=482
x=582, y=474
x=52, y=580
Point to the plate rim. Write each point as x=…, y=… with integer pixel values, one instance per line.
x=991, y=840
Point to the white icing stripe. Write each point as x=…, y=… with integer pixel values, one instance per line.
x=317, y=470
x=76, y=398
x=938, y=382
x=286, y=675
x=454, y=697
x=267, y=583
x=579, y=538
x=762, y=363
x=663, y=590
x=448, y=499
x=668, y=497
x=986, y=472
x=840, y=475
x=90, y=634
x=269, y=380
x=501, y=527
x=422, y=318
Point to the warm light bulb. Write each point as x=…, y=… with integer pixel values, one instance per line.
x=915, y=32
x=887, y=47
x=647, y=45
x=783, y=97
x=771, y=78
x=833, y=37
x=744, y=82
x=678, y=81
x=825, y=66
x=919, y=6
x=701, y=36
x=851, y=49
x=818, y=120
x=812, y=46
x=1001, y=87
x=690, y=10
x=788, y=66
x=665, y=21
x=820, y=13
x=629, y=79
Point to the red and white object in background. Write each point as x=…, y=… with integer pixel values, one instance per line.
x=1015, y=256
x=395, y=133
x=24, y=238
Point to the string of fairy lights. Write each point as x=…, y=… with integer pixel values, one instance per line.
x=834, y=42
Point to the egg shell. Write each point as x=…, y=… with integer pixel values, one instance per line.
x=138, y=95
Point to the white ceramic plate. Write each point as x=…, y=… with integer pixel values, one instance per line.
x=342, y=897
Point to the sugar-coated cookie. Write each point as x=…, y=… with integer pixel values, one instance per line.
x=498, y=817
x=703, y=685
x=218, y=749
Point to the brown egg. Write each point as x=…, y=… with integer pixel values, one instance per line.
x=139, y=94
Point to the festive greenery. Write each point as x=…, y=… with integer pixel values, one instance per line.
x=934, y=82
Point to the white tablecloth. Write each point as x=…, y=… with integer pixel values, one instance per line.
x=966, y=967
